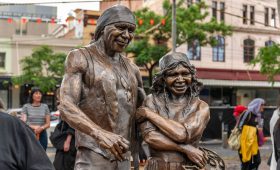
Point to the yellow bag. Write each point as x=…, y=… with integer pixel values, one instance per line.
x=249, y=142
x=234, y=139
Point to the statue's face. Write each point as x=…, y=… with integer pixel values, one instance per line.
x=178, y=80
x=117, y=36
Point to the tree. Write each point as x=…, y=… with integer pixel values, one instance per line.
x=43, y=68
x=269, y=59
x=154, y=31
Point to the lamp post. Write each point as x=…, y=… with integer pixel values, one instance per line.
x=173, y=26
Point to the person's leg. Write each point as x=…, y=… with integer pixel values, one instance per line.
x=244, y=165
x=256, y=161
x=44, y=139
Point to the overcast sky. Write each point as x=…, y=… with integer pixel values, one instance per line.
x=62, y=8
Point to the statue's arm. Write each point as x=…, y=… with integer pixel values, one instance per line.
x=174, y=130
x=141, y=95
x=180, y=132
x=159, y=141
x=197, y=123
x=70, y=95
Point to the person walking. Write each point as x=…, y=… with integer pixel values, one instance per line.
x=251, y=123
x=272, y=123
x=37, y=115
x=64, y=142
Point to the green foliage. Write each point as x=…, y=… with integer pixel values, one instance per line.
x=269, y=60
x=43, y=68
x=150, y=55
x=191, y=25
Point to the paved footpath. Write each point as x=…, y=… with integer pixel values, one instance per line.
x=230, y=157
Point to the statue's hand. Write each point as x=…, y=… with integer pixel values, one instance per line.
x=115, y=143
x=141, y=114
x=195, y=155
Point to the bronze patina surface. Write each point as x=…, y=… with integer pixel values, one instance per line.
x=100, y=92
x=173, y=118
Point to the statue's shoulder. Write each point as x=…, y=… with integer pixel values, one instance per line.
x=202, y=103
x=149, y=98
x=76, y=61
x=133, y=65
x=153, y=101
x=203, y=107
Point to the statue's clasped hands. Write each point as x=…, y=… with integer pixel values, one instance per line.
x=195, y=155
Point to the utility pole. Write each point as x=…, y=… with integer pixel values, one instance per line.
x=278, y=9
x=173, y=26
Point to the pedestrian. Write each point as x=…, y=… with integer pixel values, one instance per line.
x=66, y=151
x=19, y=150
x=272, y=123
x=251, y=124
x=276, y=144
x=100, y=92
x=37, y=115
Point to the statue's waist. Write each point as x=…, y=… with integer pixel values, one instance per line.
x=169, y=156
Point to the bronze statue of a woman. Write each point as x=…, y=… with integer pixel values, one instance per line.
x=173, y=118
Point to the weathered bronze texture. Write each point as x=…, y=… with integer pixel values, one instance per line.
x=173, y=118
x=100, y=92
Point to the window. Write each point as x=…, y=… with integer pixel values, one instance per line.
x=222, y=10
x=273, y=17
x=2, y=59
x=252, y=15
x=214, y=9
x=219, y=49
x=249, y=50
x=21, y=26
x=266, y=16
x=269, y=43
x=189, y=3
x=245, y=14
x=194, y=50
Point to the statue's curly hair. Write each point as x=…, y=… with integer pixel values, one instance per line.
x=159, y=85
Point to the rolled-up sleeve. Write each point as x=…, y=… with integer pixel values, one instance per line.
x=147, y=127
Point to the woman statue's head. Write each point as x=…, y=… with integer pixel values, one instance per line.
x=36, y=95
x=177, y=76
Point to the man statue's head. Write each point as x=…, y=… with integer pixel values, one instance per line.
x=116, y=26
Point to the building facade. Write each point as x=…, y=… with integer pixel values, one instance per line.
x=23, y=28
x=224, y=69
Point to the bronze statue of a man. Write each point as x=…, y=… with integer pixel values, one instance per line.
x=100, y=92
x=173, y=118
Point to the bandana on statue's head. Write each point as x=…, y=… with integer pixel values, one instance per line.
x=173, y=59
x=117, y=13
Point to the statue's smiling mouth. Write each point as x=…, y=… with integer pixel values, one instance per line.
x=122, y=42
x=179, y=87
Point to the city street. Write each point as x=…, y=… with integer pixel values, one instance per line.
x=230, y=157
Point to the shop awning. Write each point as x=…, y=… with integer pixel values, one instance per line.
x=238, y=83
